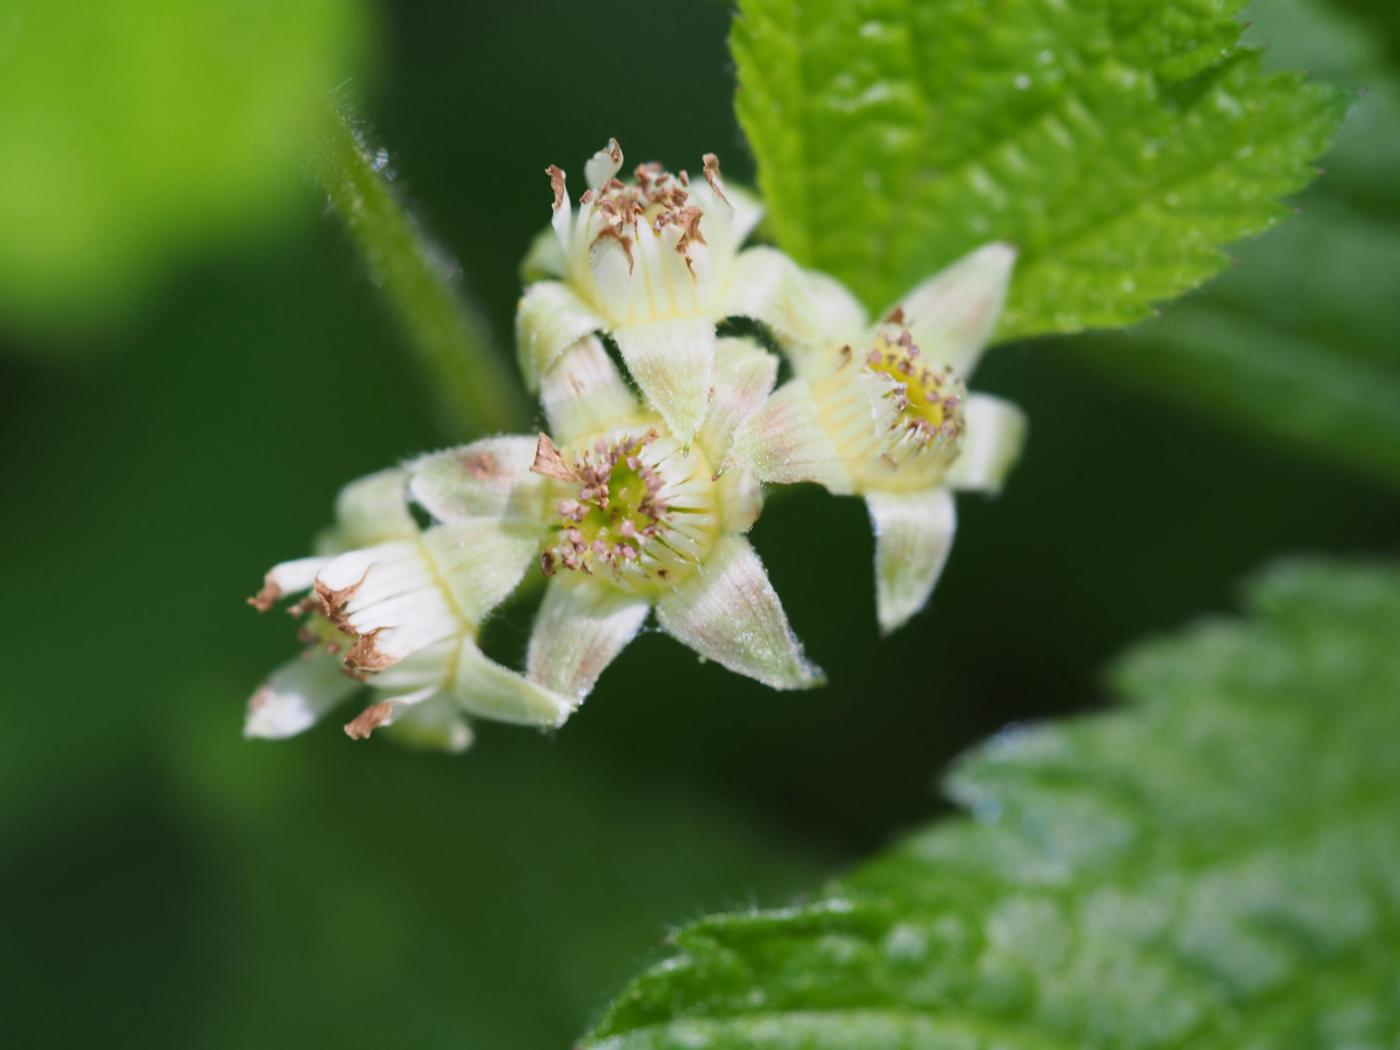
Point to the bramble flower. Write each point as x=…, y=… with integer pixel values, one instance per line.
x=396, y=608
x=883, y=412
x=656, y=264
x=626, y=518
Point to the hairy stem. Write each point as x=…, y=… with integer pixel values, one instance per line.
x=476, y=389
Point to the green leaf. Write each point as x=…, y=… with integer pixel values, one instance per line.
x=134, y=130
x=1117, y=143
x=1214, y=864
x=1299, y=342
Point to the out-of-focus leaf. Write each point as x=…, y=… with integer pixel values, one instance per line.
x=1215, y=865
x=1301, y=342
x=1117, y=144
x=135, y=129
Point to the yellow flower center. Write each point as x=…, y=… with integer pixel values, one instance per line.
x=636, y=510
x=929, y=398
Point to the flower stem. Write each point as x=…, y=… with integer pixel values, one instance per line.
x=476, y=389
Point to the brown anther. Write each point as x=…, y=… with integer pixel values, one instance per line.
x=366, y=656
x=268, y=596
x=549, y=461
x=556, y=182
x=368, y=720
x=712, y=176
x=333, y=602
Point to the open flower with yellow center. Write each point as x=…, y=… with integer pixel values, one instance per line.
x=883, y=412
x=655, y=263
x=627, y=518
x=395, y=608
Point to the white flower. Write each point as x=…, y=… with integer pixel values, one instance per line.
x=882, y=411
x=396, y=608
x=655, y=263
x=626, y=518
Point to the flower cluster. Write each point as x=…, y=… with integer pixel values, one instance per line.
x=630, y=506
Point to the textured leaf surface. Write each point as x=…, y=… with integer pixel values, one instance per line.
x=1117, y=143
x=1214, y=864
x=1301, y=342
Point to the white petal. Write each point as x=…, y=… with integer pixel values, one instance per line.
x=913, y=534
x=581, y=627
x=549, y=319
x=374, y=509
x=953, y=313
x=435, y=724
x=562, y=219
x=995, y=433
x=545, y=260
x=482, y=561
x=615, y=271
x=603, y=165
x=748, y=211
x=486, y=689
x=284, y=578
x=584, y=393
x=672, y=362
x=390, y=597
x=807, y=312
x=385, y=712
x=731, y=213
x=489, y=478
x=743, y=379
x=296, y=696
x=730, y=613
x=785, y=442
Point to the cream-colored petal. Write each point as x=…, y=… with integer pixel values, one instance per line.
x=743, y=379
x=286, y=578
x=807, y=312
x=482, y=561
x=992, y=441
x=584, y=393
x=433, y=725
x=731, y=212
x=913, y=535
x=562, y=218
x=487, y=690
x=549, y=320
x=384, y=711
x=581, y=627
x=673, y=364
x=785, y=442
x=953, y=313
x=729, y=613
x=489, y=478
x=296, y=696
x=374, y=509
x=603, y=165
x=545, y=260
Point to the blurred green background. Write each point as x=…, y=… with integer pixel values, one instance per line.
x=192, y=363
